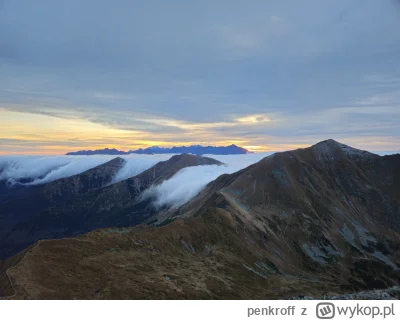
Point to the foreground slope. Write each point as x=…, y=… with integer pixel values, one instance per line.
x=72, y=206
x=321, y=220
x=205, y=258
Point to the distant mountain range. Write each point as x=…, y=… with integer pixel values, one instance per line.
x=312, y=221
x=195, y=149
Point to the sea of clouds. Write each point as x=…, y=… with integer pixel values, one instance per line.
x=33, y=170
x=188, y=182
x=183, y=186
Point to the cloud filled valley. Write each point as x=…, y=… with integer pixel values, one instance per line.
x=183, y=186
x=34, y=170
x=188, y=182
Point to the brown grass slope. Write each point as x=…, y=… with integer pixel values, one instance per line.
x=328, y=209
x=205, y=258
x=307, y=222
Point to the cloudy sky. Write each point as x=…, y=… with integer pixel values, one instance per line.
x=264, y=74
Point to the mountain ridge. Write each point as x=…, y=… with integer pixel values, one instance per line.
x=314, y=221
x=193, y=149
x=71, y=206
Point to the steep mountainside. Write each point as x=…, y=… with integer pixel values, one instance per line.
x=64, y=189
x=315, y=221
x=20, y=207
x=72, y=206
x=328, y=208
x=4, y=187
x=120, y=204
x=326, y=174
x=7, y=188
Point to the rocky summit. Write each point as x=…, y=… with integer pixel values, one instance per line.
x=320, y=221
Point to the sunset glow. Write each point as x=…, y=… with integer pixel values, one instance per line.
x=266, y=76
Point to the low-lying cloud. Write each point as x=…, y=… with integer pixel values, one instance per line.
x=33, y=170
x=188, y=182
x=182, y=187
x=136, y=164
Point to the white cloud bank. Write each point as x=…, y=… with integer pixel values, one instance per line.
x=136, y=164
x=35, y=170
x=178, y=190
x=188, y=182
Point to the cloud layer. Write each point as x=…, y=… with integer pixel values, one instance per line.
x=188, y=182
x=33, y=170
x=182, y=187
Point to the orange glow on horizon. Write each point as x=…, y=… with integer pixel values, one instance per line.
x=37, y=134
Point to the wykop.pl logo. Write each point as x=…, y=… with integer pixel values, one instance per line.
x=325, y=310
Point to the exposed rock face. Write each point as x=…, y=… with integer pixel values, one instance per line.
x=315, y=221
x=72, y=206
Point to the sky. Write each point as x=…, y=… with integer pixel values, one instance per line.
x=266, y=75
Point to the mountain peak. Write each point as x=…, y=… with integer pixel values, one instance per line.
x=192, y=158
x=330, y=146
x=115, y=161
x=328, y=142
